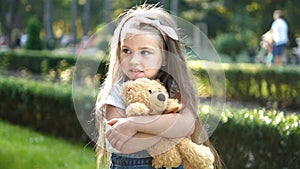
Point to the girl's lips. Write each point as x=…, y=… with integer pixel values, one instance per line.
x=136, y=72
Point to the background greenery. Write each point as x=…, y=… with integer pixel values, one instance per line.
x=240, y=22
x=245, y=138
x=35, y=86
x=24, y=149
x=258, y=138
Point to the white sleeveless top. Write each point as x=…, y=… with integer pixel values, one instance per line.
x=116, y=100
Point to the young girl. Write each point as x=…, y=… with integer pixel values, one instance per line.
x=145, y=44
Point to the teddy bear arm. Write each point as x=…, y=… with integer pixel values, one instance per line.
x=172, y=106
x=165, y=153
x=194, y=155
x=168, y=159
x=137, y=109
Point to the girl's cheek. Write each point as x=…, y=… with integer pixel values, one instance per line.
x=150, y=73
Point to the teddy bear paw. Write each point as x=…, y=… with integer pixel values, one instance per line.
x=137, y=109
x=168, y=159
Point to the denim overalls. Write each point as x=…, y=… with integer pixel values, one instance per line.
x=123, y=162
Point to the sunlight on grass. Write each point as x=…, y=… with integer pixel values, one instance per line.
x=24, y=149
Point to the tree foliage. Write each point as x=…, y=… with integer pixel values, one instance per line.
x=34, y=41
x=220, y=16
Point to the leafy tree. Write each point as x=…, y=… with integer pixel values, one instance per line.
x=230, y=44
x=292, y=14
x=34, y=41
x=220, y=16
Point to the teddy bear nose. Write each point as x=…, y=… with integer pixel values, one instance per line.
x=161, y=97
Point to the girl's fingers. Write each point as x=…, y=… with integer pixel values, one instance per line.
x=112, y=122
x=115, y=139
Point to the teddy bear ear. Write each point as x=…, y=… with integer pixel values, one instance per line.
x=173, y=106
x=127, y=83
x=125, y=87
x=157, y=80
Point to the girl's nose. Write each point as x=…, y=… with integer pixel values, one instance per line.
x=135, y=58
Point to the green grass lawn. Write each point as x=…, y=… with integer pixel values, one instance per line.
x=24, y=149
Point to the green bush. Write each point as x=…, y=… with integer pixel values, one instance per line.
x=33, y=29
x=256, y=83
x=263, y=84
x=48, y=63
x=246, y=82
x=245, y=138
x=46, y=107
x=34, y=61
x=258, y=139
x=230, y=44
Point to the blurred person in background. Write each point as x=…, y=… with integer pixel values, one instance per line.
x=279, y=30
x=296, y=50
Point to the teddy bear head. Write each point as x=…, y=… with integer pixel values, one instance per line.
x=149, y=92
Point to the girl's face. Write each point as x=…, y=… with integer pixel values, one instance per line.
x=141, y=55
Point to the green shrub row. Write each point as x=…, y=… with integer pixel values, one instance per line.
x=46, y=107
x=245, y=138
x=279, y=86
x=258, y=139
x=41, y=62
x=256, y=83
x=33, y=61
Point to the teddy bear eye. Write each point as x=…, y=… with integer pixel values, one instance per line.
x=150, y=91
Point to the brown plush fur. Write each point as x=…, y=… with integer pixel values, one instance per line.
x=142, y=98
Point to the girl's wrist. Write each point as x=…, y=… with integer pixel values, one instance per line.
x=135, y=123
x=153, y=124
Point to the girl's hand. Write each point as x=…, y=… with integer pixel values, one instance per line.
x=120, y=132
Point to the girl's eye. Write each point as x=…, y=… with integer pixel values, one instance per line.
x=126, y=51
x=144, y=52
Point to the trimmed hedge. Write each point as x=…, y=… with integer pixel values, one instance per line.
x=46, y=107
x=255, y=139
x=257, y=83
x=247, y=82
x=41, y=62
x=258, y=139
x=34, y=61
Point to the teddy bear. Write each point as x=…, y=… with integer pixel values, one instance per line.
x=149, y=97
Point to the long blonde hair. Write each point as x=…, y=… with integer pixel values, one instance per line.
x=176, y=67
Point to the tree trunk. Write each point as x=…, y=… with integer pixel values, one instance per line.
x=86, y=17
x=8, y=12
x=73, y=21
x=49, y=37
x=107, y=10
x=48, y=7
x=108, y=15
x=174, y=7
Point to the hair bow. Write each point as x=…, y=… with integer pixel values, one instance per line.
x=164, y=30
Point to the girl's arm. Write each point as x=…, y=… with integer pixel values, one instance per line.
x=130, y=141
x=171, y=125
x=138, y=142
x=168, y=125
